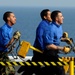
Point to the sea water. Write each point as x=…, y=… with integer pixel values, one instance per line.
x=28, y=19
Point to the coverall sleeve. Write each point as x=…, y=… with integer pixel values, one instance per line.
x=5, y=37
x=48, y=37
x=39, y=34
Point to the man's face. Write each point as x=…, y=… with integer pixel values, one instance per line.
x=48, y=17
x=12, y=19
x=59, y=18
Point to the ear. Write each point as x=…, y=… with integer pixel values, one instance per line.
x=56, y=18
x=8, y=18
x=45, y=17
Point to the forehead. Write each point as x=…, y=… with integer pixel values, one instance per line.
x=59, y=14
x=48, y=12
x=12, y=14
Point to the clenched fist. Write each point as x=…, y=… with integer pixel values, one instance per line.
x=16, y=35
x=66, y=49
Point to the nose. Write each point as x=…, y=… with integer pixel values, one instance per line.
x=63, y=17
x=15, y=18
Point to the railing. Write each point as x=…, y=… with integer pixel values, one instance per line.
x=71, y=65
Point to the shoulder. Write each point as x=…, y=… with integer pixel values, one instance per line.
x=4, y=28
x=52, y=26
x=41, y=25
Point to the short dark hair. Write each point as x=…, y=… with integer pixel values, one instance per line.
x=6, y=15
x=54, y=14
x=44, y=13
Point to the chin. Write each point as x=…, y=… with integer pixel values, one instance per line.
x=61, y=23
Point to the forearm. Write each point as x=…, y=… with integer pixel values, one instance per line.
x=63, y=39
x=10, y=42
x=54, y=47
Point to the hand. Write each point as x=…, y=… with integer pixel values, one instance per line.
x=65, y=35
x=68, y=41
x=16, y=35
x=66, y=49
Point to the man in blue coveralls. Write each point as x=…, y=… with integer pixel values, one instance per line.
x=44, y=24
x=52, y=46
x=46, y=19
x=39, y=42
x=6, y=40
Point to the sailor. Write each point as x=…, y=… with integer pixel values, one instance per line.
x=6, y=39
x=43, y=25
x=39, y=42
x=52, y=46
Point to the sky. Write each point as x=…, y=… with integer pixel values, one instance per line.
x=38, y=3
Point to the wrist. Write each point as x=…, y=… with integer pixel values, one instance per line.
x=60, y=48
x=57, y=47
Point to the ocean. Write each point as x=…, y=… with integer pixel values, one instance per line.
x=28, y=19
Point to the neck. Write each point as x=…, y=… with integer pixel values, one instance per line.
x=9, y=24
x=57, y=23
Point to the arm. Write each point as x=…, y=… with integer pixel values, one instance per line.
x=39, y=35
x=54, y=47
x=48, y=39
x=63, y=39
x=10, y=42
x=7, y=40
x=16, y=36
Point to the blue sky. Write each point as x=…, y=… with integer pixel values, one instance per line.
x=38, y=3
